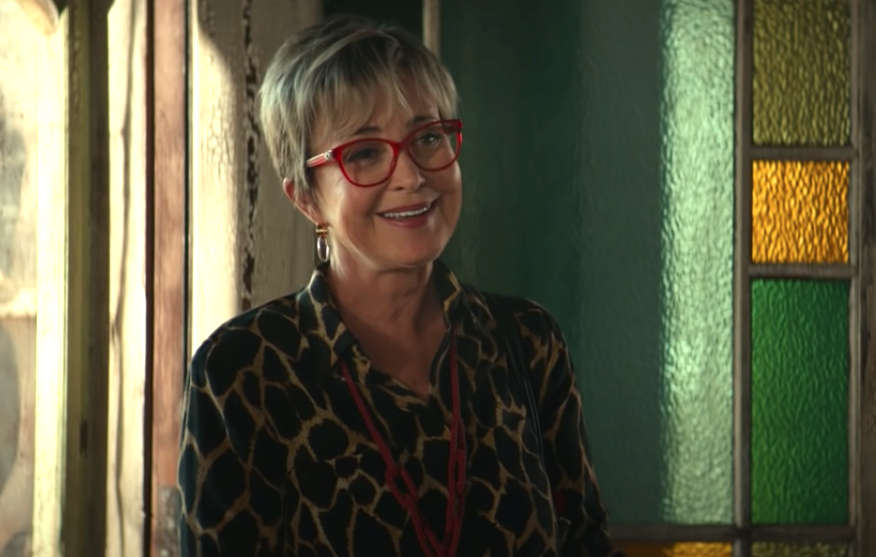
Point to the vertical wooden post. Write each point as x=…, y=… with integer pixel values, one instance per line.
x=866, y=515
x=84, y=523
x=168, y=270
x=741, y=282
x=51, y=347
x=432, y=25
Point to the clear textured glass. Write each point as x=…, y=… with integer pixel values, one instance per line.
x=798, y=550
x=800, y=212
x=686, y=549
x=801, y=72
x=799, y=401
x=697, y=240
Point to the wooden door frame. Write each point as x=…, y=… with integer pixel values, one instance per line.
x=167, y=269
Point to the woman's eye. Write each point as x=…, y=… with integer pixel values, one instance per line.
x=362, y=154
x=429, y=139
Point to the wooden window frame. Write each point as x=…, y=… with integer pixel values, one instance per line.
x=167, y=268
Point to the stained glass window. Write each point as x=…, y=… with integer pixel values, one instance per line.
x=800, y=212
x=801, y=72
x=799, y=401
x=798, y=550
x=679, y=550
x=800, y=323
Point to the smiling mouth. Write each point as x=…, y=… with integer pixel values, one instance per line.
x=408, y=214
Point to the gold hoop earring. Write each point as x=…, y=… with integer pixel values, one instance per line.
x=323, y=250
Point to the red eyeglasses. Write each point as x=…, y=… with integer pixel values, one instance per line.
x=371, y=161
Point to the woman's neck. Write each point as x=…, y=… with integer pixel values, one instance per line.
x=402, y=301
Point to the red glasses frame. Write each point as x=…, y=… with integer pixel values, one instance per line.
x=336, y=154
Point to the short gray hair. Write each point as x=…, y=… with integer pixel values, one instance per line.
x=339, y=70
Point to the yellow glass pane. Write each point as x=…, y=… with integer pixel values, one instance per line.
x=687, y=549
x=801, y=72
x=800, y=212
x=798, y=550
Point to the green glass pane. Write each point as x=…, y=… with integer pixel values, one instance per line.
x=801, y=72
x=798, y=550
x=799, y=382
x=697, y=248
x=598, y=181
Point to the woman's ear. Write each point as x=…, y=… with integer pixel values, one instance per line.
x=304, y=202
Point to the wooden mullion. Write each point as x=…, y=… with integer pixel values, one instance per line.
x=854, y=203
x=808, y=153
x=432, y=25
x=818, y=271
x=741, y=284
x=708, y=533
x=168, y=263
x=866, y=345
x=85, y=500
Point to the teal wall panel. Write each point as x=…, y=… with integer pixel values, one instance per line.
x=561, y=172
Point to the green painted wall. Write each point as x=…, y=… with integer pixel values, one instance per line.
x=561, y=173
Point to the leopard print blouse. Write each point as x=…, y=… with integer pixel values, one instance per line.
x=276, y=459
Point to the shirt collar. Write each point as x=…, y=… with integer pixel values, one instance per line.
x=329, y=339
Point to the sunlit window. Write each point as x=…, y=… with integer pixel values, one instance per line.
x=32, y=270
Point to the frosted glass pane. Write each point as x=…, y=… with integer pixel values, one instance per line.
x=697, y=392
x=798, y=550
x=800, y=212
x=678, y=550
x=799, y=384
x=801, y=72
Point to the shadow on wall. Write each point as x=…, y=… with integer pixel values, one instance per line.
x=407, y=14
x=562, y=177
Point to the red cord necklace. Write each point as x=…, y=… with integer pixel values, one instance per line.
x=455, y=471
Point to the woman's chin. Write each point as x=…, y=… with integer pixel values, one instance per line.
x=410, y=259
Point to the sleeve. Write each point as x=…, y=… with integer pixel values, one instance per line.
x=229, y=458
x=573, y=482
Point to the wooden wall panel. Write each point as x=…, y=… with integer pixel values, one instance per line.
x=88, y=276
x=168, y=269
x=126, y=28
x=248, y=243
x=51, y=346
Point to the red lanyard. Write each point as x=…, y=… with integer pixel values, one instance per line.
x=455, y=471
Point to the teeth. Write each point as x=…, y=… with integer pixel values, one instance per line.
x=408, y=214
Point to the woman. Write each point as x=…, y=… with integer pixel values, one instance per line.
x=376, y=412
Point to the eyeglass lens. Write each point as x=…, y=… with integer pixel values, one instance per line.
x=370, y=161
